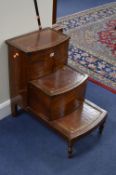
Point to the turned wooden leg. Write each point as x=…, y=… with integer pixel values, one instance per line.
x=101, y=128
x=70, y=149
x=13, y=109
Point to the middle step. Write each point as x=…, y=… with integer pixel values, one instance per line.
x=57, y=94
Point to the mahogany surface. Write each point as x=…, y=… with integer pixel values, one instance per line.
x=60, y=81
x=38, y=40
x=80, y=122
x=58, y=93
x=32, y=56
x=84, y=119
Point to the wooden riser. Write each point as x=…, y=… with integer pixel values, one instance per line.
x=57, y=94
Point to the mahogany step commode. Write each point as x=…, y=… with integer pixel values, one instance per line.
x=41, y=82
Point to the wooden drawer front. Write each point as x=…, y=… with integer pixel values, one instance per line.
x=46, y=61
x=40, y=66
x=60, y=55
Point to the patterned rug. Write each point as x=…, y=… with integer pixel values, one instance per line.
x=92, y=46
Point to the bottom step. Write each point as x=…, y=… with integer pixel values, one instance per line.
x=87, y=117
x=81, y=122
x=84, y=119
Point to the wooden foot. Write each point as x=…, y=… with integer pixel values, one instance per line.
x=70, y=149
x=101, y=128
x=14, y=109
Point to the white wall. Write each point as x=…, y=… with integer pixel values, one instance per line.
x=18, y=17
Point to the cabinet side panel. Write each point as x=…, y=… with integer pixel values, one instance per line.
x=17, y=77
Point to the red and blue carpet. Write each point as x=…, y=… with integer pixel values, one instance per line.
x=93, y=43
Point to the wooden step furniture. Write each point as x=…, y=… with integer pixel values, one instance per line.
x=41, y=82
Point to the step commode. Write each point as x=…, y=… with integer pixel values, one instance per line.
x=42, y=83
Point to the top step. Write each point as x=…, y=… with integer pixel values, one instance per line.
x=38, y=40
